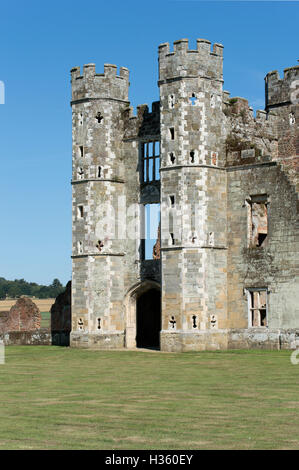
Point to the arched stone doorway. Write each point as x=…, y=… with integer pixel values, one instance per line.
x=148, y=316
x=143, y=315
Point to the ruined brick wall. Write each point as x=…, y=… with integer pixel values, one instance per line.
x=3, y=321
x=22, y=325
x=23, y=316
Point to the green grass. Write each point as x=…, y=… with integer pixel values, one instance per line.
x=46, y=317
x=63, y=398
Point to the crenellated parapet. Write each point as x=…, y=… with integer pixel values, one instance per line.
x=282, y=91
x=145, y=124
x=249, y=139
x=184, y=62
x=105, y=85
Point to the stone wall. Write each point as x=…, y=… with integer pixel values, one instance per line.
x=41, y=337
x=272, y=265
x=228, y=190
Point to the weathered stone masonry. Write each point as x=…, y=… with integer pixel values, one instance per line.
x=22, y=325
x=228, y=189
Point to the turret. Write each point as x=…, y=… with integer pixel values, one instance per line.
x=103, y=85
x=282, y=97
x=192, y=186
x=282, y=91
x=98, y=102
x=184, y=62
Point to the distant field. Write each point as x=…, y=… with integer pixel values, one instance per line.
x=64, y=398
x=43, y=304
x=46, y=320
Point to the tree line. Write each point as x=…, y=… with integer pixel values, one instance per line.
x=18, y=287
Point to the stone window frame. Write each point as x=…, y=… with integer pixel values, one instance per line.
x=80, y=211
x=150, y=159
x=251, y=308
x=256, y=198
x=80, y=151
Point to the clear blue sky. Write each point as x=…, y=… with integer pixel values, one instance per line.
x=41, y=41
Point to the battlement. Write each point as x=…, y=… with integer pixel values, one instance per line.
x=184, y=62
x=237, y=107
x=100, y=85
x=282, y=90
x=144, y=123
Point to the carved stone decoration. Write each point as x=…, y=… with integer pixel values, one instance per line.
x=99, y=117
x=100, y=245
x=214, y=322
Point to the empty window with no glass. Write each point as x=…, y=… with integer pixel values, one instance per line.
x=257, y=307
x=192, y=99
x=172, y=200
x=80, y=212
x=171, y=133
x=150, y=154
x=258, y=220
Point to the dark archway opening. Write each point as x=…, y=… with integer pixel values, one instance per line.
x=148, y=314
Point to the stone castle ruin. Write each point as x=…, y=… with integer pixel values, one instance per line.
x=219, y=271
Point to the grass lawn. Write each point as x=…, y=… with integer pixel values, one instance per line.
x=62, y=398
